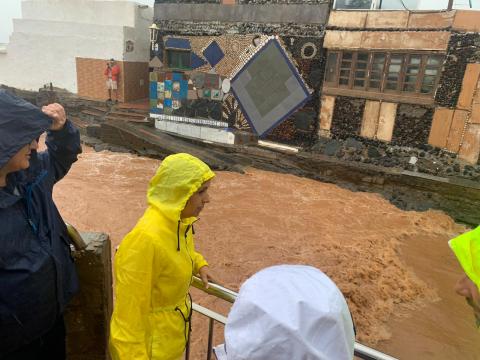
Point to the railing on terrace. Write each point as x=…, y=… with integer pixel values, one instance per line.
x=361, y=351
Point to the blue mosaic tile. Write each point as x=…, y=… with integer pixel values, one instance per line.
x=213, y=53
x=177, y=43
x=197, y=61
x=177, y=76
x=153, y=89
x=269, y=88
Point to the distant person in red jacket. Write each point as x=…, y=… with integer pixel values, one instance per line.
x=112, y=72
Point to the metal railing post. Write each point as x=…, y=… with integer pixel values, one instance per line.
x=210, y=338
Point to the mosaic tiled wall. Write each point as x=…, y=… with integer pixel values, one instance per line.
x=265, y=84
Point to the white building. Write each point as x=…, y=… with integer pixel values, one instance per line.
x=51, y=34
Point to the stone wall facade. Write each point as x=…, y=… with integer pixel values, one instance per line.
x=447, y=119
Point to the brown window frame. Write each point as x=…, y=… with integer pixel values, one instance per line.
x=346, y=71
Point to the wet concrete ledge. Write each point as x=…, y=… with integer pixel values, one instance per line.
x=87, y=317
x=407, y=190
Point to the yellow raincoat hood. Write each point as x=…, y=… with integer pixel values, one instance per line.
x=154, y=265
x=176, y=180
x=467, y=250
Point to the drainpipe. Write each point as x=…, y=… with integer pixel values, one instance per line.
x=450, y=4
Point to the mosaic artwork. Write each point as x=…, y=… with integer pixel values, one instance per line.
x=213, y=53
x=269, y=88
x=193, y=94
x=252, y=83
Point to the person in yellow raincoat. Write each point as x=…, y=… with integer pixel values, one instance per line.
x=155, y=263
x=467, y=250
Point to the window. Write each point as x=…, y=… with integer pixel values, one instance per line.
x=353, y=4
x=178, y=59
x=383, y=72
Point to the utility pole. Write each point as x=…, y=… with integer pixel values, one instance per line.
x=450, y=4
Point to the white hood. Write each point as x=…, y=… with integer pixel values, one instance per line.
x=289, y=312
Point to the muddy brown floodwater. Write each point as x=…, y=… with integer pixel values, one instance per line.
x=394, y=267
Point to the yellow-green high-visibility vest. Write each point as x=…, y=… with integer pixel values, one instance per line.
x=467, y=250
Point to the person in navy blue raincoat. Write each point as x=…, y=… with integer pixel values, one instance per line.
x=37, y=272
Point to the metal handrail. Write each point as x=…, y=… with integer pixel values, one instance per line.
x=361, y=351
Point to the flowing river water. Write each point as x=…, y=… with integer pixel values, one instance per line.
x=394, y=266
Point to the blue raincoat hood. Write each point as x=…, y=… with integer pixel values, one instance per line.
x=20, y=123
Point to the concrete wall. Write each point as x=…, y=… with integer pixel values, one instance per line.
x=82, y=11
x=398, y=40
x=399, y=20
x=132, y=83
x=51, y=34
x=87, y=317
x=271, y=13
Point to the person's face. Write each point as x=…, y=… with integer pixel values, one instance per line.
x=196, y=202
x=467, y=288
x=21, y=160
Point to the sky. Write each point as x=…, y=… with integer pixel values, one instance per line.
x=10, y=9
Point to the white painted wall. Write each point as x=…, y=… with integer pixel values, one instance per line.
x=52, y=33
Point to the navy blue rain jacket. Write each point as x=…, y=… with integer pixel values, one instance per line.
x=37, y=272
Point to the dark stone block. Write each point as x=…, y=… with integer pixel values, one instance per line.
x=332, y=147
x=373, y=152
x=412, y=125
x=347, y=117
x=352, y=143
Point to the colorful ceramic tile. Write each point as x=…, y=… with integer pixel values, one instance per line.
x=160, y=86
x=167, y=103
x=216, y=94
x=153, y=76
x=161, y=95
x=269, y=88
x=168, y=76
x=197, y=61
x=153, y=90
x=206, y=93
x=161, y=76
x=176, y=76
x=178, y=43
x=213, y=53
x=160, y=104
x=192, y=95
x=198, y=79
x=211, y=81
x=176, y=104
x=153, y=103
x=176, y=86
x=168, y=94
x=183, y=89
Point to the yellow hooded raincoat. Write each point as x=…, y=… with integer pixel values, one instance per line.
x=154, y=266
